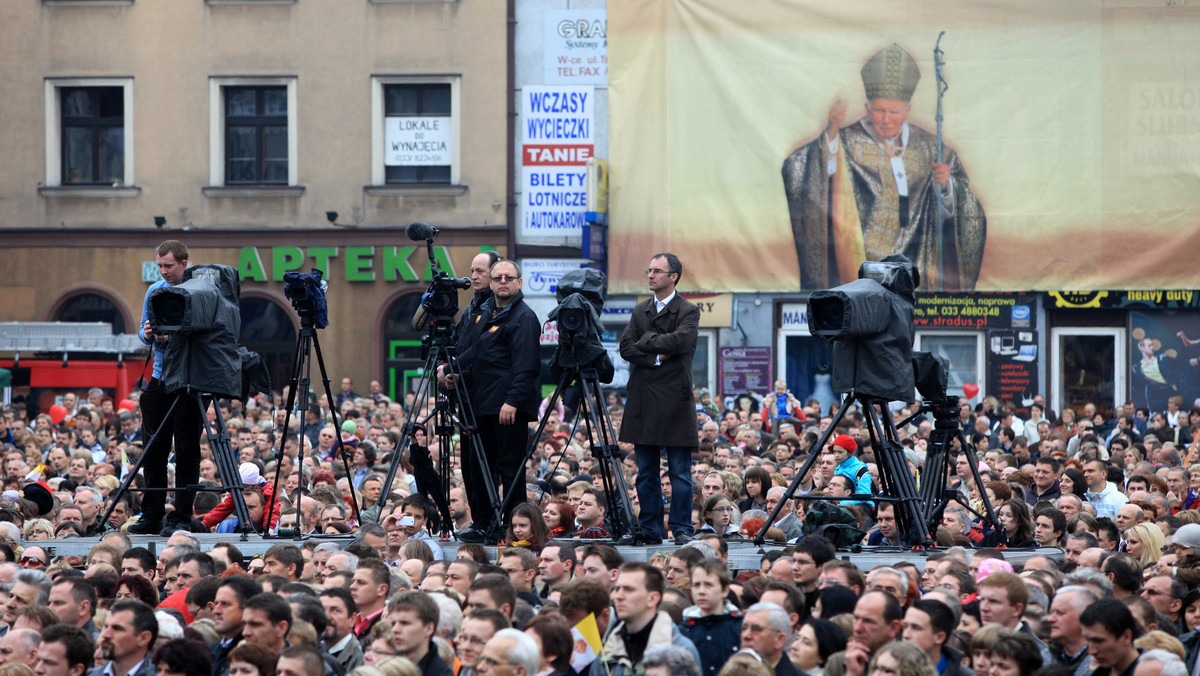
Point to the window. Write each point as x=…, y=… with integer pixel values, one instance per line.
x=416, y=131
x=92, y=307
x=252, y=132
x=89, y=132
x=256, y=135
x=966, y=353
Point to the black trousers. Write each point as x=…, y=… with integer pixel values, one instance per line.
x=183, y=428
x=504, y=447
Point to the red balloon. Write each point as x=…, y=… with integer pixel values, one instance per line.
x=127, y=405
x=57, y=413
x=970, y=390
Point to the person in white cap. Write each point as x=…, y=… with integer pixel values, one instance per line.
x=250, y=477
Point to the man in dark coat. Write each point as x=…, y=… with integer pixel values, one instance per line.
x=500, y=366
x=660, y=412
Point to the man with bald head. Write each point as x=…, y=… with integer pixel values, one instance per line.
x=20, y=646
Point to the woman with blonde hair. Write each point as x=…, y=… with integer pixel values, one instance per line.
x=901, y=659
x=1144, y=542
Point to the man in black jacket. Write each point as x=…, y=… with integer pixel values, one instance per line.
x=500, y=365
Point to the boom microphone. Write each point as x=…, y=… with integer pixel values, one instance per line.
x=420, y=232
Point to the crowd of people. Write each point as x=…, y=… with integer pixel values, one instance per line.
x=1118, y=499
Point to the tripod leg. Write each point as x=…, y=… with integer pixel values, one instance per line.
x=341, y=445
x=137, y=466
x=616, y=490
x=226, y=458
x=298, y=367
x=813, y=454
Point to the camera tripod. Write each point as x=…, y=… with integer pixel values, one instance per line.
x=894, y=478
x=935, y=494
x=451, y=411
x=223, y=455
x=306, y=344
x=593, y=414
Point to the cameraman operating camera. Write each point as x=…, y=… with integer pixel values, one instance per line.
x=183, y=426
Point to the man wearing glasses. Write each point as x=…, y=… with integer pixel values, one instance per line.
x=510, y=653
x=500, y=365
x=765, y=631
x=660, y=412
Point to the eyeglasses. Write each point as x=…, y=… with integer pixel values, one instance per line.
x=489, y=661
x=505, y=279
x=830, y=582
x=656, y=272
x=1155, y=592
x=31, y=562
x=756, y=628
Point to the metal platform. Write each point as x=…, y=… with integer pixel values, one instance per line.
x=742, y=555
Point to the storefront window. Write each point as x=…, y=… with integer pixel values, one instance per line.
x=402, y=362
x=1089, y=367
x=965, y=353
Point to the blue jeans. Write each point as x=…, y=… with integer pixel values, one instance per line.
x=649, y=489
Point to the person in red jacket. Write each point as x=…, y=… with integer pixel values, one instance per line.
x=250, y=478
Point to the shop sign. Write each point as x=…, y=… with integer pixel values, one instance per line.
x=1163, y=299
x=974, y=311
x=362, y=263
x=1013, y=366
x=744, y=369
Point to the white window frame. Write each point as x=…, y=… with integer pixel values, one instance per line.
x=1120, y=361
x=378, y=82
x=54, y=177
x=216, y=124
x=981, y=354
x=709, y=335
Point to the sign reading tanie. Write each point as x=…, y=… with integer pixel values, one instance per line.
x=745, y=369
x=557, y=129
x=418, y=141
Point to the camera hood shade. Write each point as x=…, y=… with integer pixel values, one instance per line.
x=206, y=321
x=581, y=298
x=871, y=328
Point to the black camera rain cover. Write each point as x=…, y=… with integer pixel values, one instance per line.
x=588, y=282
x=205, y=358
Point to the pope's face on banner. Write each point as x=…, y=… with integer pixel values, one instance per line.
x=887, y=116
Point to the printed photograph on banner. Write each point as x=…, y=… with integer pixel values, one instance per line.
x=1164, y=364
x=1020, y=146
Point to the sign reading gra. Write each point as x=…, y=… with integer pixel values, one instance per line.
x=575, y=45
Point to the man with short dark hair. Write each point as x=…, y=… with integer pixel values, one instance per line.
x=229, y=617
x=1110, y=629
x=414, y=618
x=556, y=565
x=370, y=587
x=478, y=627
x=713, y=624
x=660, y=412
x=184, y=425
x=73, y=599
x=286, y=560
x=636, y=597
x=129, y=633
x=1045, y=482
x=521, y=565
x=927, y=625
x=193, y=567
x=1166, y=593
x=65, y=651
x=300, y=660
x=268, y=619
x=340, y=612
x=1002, y=600
x=493, y=592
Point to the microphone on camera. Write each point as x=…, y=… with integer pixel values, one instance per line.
x=420, y=232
